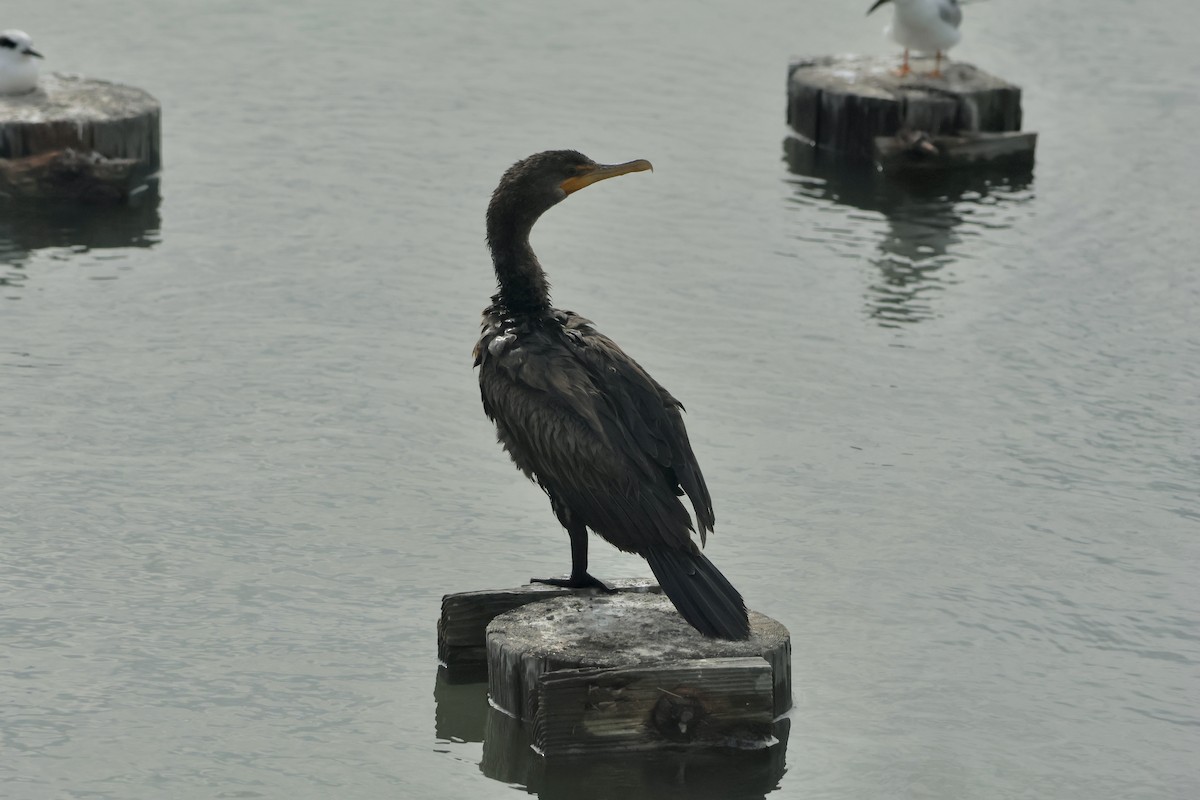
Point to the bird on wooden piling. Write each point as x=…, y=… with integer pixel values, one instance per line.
x=585, y=421
x=927, y=26
x=18, y=63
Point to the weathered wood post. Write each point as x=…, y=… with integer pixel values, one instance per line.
x=585, y=672
x=462, y=627
x=860, y=109
x=78, y=138
x=594, y=672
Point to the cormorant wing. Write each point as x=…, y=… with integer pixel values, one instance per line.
x=645, y=412
x=600, y=434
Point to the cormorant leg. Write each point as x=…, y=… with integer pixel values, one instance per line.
x=580, y=579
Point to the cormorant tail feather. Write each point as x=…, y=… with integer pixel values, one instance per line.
x=703, y=596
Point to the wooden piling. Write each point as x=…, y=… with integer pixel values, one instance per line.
x=594, y=673
x=462, y=628
x=712, y=702
x=78, y=138
x=844, y=104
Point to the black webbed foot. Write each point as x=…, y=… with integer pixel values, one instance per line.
x=584, y=581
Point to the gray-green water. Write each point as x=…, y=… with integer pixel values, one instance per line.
x=951, y=430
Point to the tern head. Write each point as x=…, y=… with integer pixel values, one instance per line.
x=17, y=44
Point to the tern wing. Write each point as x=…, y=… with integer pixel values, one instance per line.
x=950, y=12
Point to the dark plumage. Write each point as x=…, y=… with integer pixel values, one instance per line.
x=581, y=418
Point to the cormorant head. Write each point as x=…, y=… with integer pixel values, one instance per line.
x=533, y=185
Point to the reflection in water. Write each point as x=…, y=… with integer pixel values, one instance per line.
x=924, y=212
x=460, y=706
x=28, y=226
x=464, y=715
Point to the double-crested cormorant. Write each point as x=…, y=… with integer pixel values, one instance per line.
x=601, y=437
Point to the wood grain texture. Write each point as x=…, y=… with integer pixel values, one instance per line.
x=542, y=656
x=842, y=104
x=462, y=627
x=916, y=153
x=82, y=128
x=712, y=702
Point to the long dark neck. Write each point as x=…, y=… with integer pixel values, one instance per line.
x=523, y=285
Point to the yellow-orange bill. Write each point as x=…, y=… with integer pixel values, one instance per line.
x=601, y=172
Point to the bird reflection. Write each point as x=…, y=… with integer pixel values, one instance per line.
x=925, y=215
x=29, y=226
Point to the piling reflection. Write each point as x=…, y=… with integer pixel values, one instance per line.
x=464, y=715
x=460, y=705
x=28, y=226
x=925, y=215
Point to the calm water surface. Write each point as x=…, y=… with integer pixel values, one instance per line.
x=950, y=428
